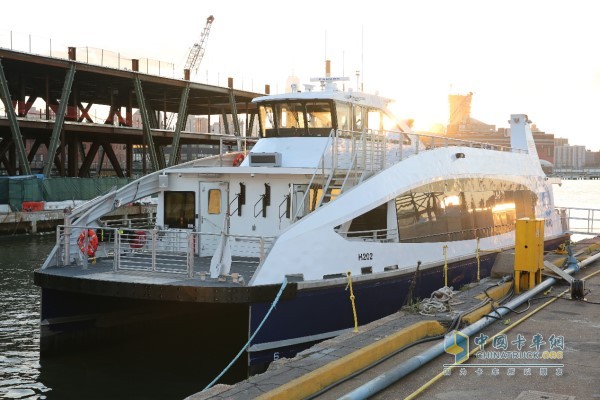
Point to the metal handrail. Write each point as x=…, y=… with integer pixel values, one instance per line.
x=151, y=250
x=320, y=165
x=392, y=235
x=374, y=151
x=591, y=216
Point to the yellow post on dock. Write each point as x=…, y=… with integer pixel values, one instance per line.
x=529, y=253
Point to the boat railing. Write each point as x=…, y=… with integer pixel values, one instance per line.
x=173, y=251
x=376, y=235
x=380, y=149
x=434, y=141
x=581, y=221
x=253, y=248
x=349, y=156
x=457, y=235
x=242, y=143
x=392, y=235
x=319, y=177
x=371, y=151
x=131, y=222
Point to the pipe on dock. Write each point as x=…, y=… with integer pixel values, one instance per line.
x=393, y=375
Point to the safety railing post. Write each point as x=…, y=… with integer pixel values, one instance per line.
x=478, y=260
x=117, y=250
x=67, y=242
x=261, y=250
x=153, y=248
x=59, y=256
x=190, y=255
x=401, y=144
x=445, y=265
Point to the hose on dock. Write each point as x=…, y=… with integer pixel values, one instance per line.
x=390, y=377
x=420, y=390
x=455, y=323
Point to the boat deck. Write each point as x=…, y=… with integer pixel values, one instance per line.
x=138, y=269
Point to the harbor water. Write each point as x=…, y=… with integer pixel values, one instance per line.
x=143, y=370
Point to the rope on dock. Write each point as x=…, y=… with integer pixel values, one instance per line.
x=283, y=285
x=438, y=302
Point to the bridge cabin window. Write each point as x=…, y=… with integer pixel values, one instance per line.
x=343, y=116
x=180, y=210
x=316, y=118
x=374, y=120
x=296, y=118
x=358, y=118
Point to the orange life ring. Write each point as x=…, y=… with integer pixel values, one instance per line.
x=238, y=160
x=138, y=240
x=92, y=242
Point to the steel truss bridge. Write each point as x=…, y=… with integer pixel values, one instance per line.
x=63, y=139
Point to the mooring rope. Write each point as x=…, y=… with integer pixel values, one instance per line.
x=438, y=302
x=283, y=285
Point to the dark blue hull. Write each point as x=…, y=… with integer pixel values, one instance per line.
x=315, y=312
x=78, y=313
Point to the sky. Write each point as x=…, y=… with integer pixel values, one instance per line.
x=534, y=57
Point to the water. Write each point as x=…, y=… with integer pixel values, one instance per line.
x=19, y=316
x=145, y=370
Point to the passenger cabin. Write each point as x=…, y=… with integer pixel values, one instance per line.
x=313, y=146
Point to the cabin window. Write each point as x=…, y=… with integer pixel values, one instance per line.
x=297, y=118
x=343, y=116
x=214, y=201
x=267, y=119
x=370, y=225
x=358, y=119
x=374, y=120
x=462, y=209
x=292, y=116
x=180, y=210
x=318, y=116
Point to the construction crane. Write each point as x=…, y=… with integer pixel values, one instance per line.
x=194, y=58
x=197, y=50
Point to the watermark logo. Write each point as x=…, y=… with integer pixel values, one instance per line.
x=535, y=354
x=457, y=344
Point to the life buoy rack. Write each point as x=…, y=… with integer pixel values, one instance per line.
x=92, y=242
x=237, y=161
x=137, y=240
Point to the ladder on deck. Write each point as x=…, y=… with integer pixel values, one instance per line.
x=367, y=157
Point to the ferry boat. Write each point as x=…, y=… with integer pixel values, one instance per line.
x=338, y=202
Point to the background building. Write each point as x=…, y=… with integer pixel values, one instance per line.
x=462, y=126
x=569, y=157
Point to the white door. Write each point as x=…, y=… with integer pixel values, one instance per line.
x=211, y=218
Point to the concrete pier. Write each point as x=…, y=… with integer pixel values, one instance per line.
x=333, y=368
x=12, y=223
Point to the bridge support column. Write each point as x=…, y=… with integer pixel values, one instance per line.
x=146, y=122
x=14, y=126
x=60, y=118
x=181, y=120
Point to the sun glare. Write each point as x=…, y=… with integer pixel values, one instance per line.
x=427, y=117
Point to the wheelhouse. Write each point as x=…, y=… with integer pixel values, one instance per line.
x=313, y=117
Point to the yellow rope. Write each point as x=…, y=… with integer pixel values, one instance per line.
x=352, y=301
